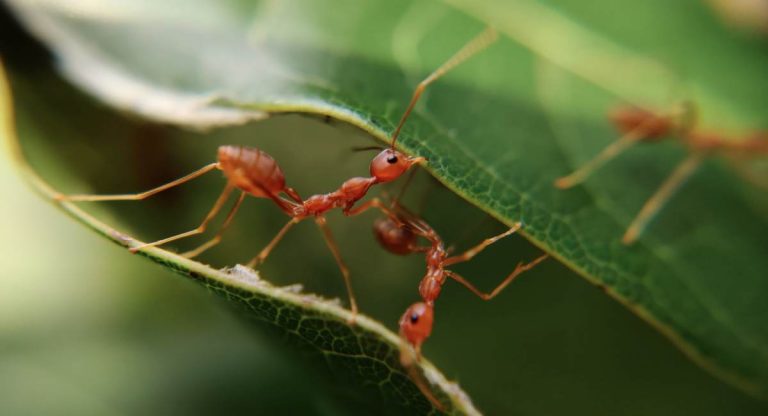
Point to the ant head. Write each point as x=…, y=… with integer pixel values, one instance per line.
x=629, y=119
x=393, y=237
x=390, y=164
x=416, y=323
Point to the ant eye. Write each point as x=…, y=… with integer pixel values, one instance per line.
x=392, y=159
x=414, y=317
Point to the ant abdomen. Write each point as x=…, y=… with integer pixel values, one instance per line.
x=393, y=237
x=628, y=119
x=246, y=167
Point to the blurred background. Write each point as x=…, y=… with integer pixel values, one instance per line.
x=87, y=328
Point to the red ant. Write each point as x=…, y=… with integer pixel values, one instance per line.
x=256, y=173
x=398, y=233
x=641, y=125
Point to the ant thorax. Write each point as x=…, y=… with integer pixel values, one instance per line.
x=355, y=188
x=436, y=254
x=317, y=204
x=704, y=141
x=431, y=285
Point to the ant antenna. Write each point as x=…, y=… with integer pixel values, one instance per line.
x=477, y=44
x=609, y=152
x=403, y=188
x=366, y=148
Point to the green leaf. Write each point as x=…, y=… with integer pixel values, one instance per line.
x=365, y=354
x=497, y=131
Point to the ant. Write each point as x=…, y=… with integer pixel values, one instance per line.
x=256, y=173
x=399, y=233
x=642, y=125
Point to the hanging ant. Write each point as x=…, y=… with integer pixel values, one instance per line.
x=256, y=173
x=399, y=233
x=641, y=125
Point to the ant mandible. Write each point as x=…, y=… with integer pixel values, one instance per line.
x=256, y=173
x=642, y=125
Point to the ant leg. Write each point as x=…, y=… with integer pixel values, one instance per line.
x=477, y=44
x=651, y=207
x=342, y=266
x=403, y=188
x=612, y=150
x=373, y=203
x=264, y=253
x=200, y=228
x=217, y=238
x=404, y=220
x=141, y=195
x=293, y=194
x=472, y=252
x=520, y=268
